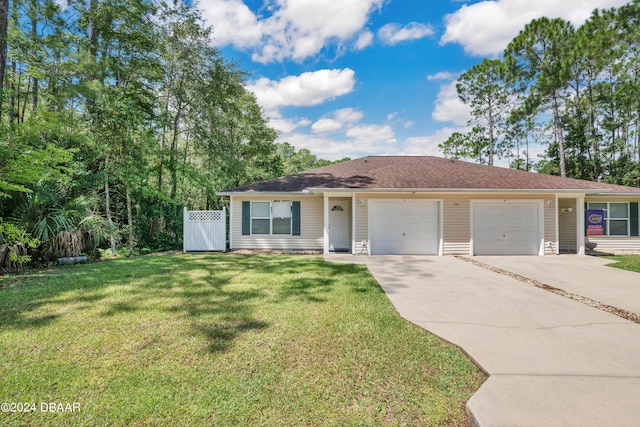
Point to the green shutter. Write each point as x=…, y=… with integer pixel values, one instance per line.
x=633, y=216
x=295, y=225
x=246, y=218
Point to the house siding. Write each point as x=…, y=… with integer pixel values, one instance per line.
x=456, y=222
x=362, y=225
x=311, y=226
x=614, y=243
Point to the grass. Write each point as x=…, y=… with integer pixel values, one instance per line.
x=221, y=339
x=626, y=262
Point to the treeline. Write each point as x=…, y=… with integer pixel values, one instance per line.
x=113, y=116
x=575, y=91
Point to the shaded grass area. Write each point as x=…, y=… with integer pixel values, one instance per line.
x=625, y=262
x=222, y=339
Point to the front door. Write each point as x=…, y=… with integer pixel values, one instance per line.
x=339, y=225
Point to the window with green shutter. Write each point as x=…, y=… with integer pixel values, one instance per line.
x=275, y=217
x=620, y=218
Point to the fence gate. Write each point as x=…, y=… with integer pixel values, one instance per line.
x=205, y=230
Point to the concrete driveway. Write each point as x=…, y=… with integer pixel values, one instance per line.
x=583, y=275
x=552, y=361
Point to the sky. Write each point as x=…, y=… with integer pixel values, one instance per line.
x=353, y=78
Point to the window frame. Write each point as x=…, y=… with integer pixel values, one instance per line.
x=607, y=219
x=271, y=218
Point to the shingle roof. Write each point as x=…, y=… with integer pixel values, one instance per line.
x=424, y=172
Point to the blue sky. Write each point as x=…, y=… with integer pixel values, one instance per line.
x=350, y=78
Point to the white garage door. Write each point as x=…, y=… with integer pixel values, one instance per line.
x=506, y=228
x=404, y=227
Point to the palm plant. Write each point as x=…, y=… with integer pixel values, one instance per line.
x=65, y=226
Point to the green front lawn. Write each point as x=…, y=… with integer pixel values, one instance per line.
x=626, y=262
x=220, y=339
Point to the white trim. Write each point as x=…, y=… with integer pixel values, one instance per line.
x=471, y=227
x=591, y=192
x=264, y=193
x=580, y=225
x=538, y=202
x=184, y=227
x=353, y=223
x=326, y=223
x=557, y=206
x=440, y=225
x=231, y=223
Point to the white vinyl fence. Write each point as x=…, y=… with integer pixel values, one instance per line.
x=205, y=230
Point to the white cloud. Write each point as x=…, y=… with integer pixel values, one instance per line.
x=311, y=88
x=371, y=134
x=341, y=118
x=292, y=29
x=395, y=33
x=349, y=115
x=443, y=75
x=233, y=22
x=322, y=146
x=428, y=145
x=449, y=108
x=394, y=120
x=283, y=125
x=364, y=40
x=326, y=126
x=370, y=140
x=487, y=27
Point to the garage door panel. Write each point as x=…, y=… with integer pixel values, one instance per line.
x=404, y=227
x=505, y=229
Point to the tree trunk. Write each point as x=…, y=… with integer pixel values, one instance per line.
x=92, y=37
x=491, y=137
x=559, y=136
x=173, y=161
x=129, y=217
x=594, y=133
x=14, y=110
x=163, y=140
x=107, y=197
x=4, y=24
x=34, y=36
x=26, y=100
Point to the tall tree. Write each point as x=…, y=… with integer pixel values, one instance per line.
x=537, y=62
x=484, y=89
x=4, y=26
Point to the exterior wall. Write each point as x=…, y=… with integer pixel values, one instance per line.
x=456, y=217
x=456, y=222
x=614, y=243
x=311, y=226
x=361, y=225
